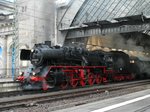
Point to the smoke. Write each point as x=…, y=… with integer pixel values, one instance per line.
x=144, y=67
x=117, y=41
x=131, y=45
x=134, y=44
x=135, y=48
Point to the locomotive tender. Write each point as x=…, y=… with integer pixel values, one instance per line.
x=71, y=67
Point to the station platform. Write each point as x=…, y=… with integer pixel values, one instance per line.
x=6, y=80
x=8, y=84
x=134, y=102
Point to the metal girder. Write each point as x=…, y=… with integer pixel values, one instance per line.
x=133, y=24
x=86, y=32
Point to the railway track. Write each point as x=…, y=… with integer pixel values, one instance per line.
x=10, y=91
x=35, y=99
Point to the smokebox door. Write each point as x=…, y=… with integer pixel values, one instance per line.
x=25, y=54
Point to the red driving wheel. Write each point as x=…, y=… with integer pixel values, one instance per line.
x=82, y=83
x=98, y=79
x=64, y=85
x=73, y=81
x=91, y=79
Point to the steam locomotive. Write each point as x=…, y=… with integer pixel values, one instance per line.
x=65, y=67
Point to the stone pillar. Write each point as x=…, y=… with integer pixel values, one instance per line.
x=4, y=55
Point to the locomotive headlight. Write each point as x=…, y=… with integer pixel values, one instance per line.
x=33, y=73
x=32, y=50
x=132, y=61
x=20, y=73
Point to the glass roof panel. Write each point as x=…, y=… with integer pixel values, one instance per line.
x=93, y=10
x=9, y=0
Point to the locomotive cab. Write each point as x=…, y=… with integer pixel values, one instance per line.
x=117, y=61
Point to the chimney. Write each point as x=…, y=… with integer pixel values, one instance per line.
x=48, y=43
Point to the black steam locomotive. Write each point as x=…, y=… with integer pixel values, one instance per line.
x=71, y=67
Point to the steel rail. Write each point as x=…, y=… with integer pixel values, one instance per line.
x=32, y=100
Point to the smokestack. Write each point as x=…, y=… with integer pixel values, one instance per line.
x=48, y=43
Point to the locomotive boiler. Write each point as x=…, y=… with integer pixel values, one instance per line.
x=63, y=67
x=43, y=55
